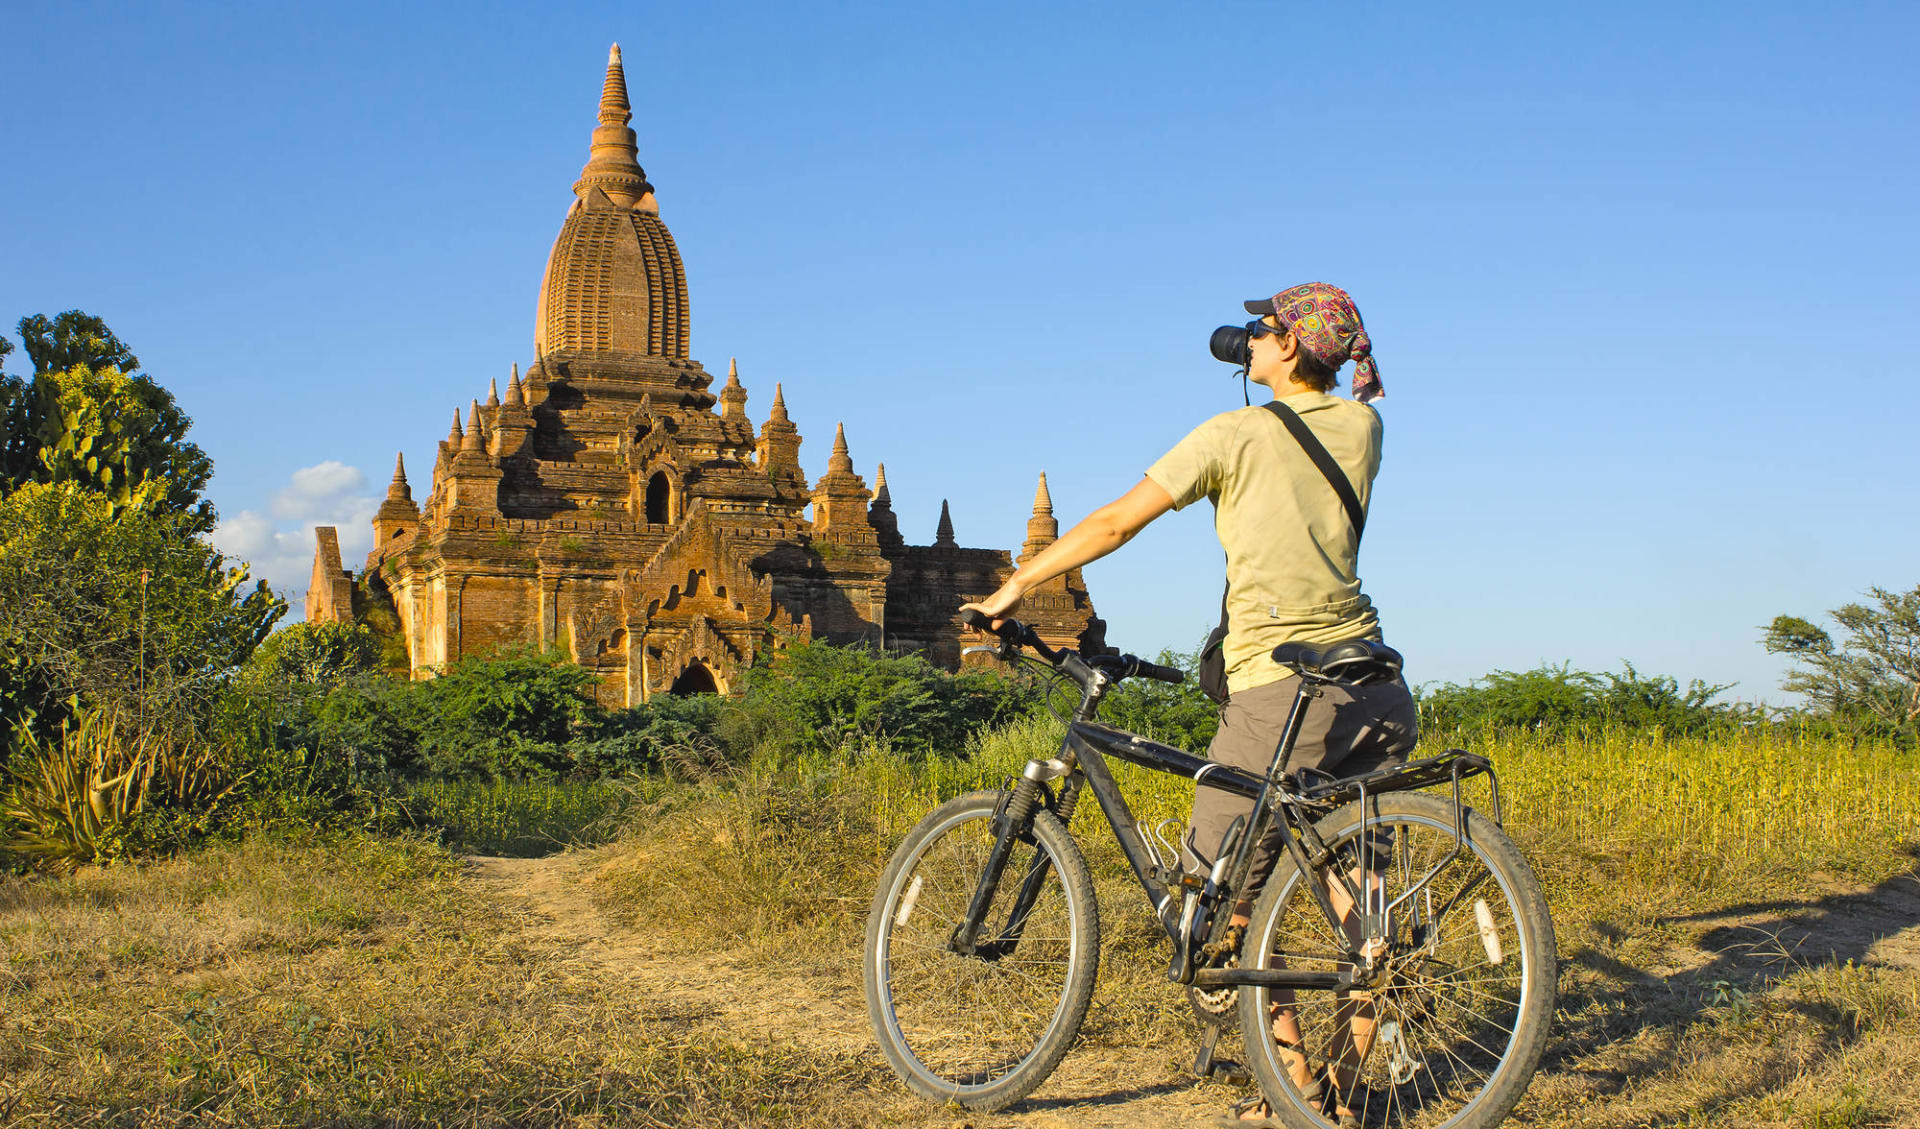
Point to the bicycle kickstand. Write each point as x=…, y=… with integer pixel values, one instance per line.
x=1226, y=1070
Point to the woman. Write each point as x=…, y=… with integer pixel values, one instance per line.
x=1292, y=576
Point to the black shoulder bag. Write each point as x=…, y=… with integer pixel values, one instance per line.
x=1213, y=657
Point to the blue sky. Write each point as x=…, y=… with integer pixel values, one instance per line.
x=1641, y=278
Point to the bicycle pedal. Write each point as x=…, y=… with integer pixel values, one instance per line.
x=1205, y=1066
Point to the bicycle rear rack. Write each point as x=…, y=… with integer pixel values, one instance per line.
x=1452, y=766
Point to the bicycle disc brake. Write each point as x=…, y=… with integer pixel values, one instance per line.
x=1401, y=1065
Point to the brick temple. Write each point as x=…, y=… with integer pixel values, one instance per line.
x=611, y=505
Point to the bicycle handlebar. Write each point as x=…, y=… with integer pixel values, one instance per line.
x=1015, y=633
x=1144, y=669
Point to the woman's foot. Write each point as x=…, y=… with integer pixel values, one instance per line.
x=1255, y=1113
x=1252, y=1113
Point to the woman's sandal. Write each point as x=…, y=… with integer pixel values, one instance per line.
x=1316, y=1093
x=1321, y=1092
x=1235, y=1117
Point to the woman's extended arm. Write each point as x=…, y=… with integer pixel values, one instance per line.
x=1099, y=533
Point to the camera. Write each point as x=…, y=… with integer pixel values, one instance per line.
x=1229, y=344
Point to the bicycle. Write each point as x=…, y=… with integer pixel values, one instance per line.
x=1432, y=996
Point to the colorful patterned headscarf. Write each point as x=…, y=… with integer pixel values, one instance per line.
x=1328, y=324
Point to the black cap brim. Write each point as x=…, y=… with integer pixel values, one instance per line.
x=1260, y=307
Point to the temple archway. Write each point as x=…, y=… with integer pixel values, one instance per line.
x=696, y=679
x=659, y=495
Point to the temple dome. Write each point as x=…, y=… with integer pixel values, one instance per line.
x=614, y=283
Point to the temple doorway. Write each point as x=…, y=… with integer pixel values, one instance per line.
x=657, y=496
x=696, y=679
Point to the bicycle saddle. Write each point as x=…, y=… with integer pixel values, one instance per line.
x=1357, y=662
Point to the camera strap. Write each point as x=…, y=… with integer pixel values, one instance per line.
x=1213, y=678
x=1317, y=451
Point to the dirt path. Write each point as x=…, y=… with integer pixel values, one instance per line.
x=550, y=900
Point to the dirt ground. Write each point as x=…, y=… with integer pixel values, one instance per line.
x=1146, y=1090
x=1653, y=1036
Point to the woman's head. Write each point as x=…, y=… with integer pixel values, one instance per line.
x=1280, y=358
x=1323, y=331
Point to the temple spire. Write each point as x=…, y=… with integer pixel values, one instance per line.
x=779, y=444
x=614, y=107
x=613, y=165
x=453, y=436
x=493, y=393
x=397, y=514
x=943, y=533
x=733, y=397
x=840, y=497
x=841, y=460
x=880, y=515
x=516, y=396
x=1042, y=529
x=472, y=440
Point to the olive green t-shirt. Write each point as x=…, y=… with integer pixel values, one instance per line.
x=1292, y=551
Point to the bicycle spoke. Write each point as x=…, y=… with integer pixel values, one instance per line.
x=1445, y=1017
x=966, y=1018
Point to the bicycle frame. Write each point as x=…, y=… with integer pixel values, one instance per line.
x=1081, y=762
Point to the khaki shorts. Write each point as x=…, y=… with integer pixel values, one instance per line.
x=1346, y=731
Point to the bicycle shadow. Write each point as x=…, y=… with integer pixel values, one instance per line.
x=1620, y=1023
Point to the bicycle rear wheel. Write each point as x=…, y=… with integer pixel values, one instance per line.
x=981, y=1030
x=1451, y=1034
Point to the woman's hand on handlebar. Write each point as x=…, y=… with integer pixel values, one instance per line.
x=999, y=606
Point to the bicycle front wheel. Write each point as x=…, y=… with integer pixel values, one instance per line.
x=1450, y=1027
x=980, y=1030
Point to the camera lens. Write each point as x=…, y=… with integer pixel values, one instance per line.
x=1229, y=344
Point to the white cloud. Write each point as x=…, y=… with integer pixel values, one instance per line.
x=279, y=549
x=317, y=493
x=245, y=535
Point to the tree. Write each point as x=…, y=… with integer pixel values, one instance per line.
x=19, y=434
x=1874, y=677
x=122, y=607
x=313, y=657
x=73, y=338
x=124, y=437
x=87, y=416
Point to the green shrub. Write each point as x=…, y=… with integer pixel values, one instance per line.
x=120, y=607
x=634, y=740
x=369, y=724
x=508, y=715
x=1561, y=699
x=815, y=696
x=1180, y=715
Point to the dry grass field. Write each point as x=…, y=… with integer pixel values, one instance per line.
x=1739, y=926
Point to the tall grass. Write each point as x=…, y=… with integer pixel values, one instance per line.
x=1746, y=805
x=1749, y=808
x=1679, y=822
x=1625, y=829
x=523, y=818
